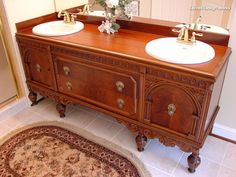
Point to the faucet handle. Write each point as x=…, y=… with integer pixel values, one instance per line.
x=73, y=17
x=65, y=14
x=183, y=33
x=176, y=30
x=193, y=38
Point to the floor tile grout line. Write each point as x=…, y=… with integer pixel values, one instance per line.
x=85, y=109
x=100, y=115
x=218, y=173
x=118, y=132
x=162, y=171
x=222, y=160
x=228, y=167
x=176, y=166
x=148, y=144
x=158, y=169
x=87, y=126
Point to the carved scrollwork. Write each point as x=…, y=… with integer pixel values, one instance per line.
x=111, y=61
x=197, y=94
x=177, y=77
x=31, y=44
x=51, y=94
x=164, y=139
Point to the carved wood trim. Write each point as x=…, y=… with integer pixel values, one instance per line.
x=156, y=75
x=35, y=45
x=197, y=95
x=103, y=59
x=51, y=94
x=164, y=139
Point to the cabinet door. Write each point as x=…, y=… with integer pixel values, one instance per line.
x=173, y=109
x=37, y=63
x=111, y=90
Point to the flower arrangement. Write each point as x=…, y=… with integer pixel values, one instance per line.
x=113, y=9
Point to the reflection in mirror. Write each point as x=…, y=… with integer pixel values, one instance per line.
x=215, y=14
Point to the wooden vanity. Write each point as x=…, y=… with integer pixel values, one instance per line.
x=112, y=73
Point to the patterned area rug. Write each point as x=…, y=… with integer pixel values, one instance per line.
x=54, y=149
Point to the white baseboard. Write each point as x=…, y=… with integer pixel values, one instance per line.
x=224, y=131
x=13, y=108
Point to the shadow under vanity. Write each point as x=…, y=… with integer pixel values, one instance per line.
x=113, y=74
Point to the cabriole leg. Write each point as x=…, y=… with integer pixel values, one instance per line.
x=141, y=141
x=33, y=98
x=61, y=108
x=193, y=161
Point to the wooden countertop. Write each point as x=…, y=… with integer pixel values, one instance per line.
x=131, y=45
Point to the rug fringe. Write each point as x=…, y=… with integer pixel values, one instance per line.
x=90, y=136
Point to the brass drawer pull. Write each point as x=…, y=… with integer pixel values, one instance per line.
x=120, y=103
x=120, y=86
x=66, y=70
x=171, y=109
x=69, y=86
x=38, y=68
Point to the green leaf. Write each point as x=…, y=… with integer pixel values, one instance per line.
x=101, y=2
x=115, y=26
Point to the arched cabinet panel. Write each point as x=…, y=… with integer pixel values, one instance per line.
x=173, y=108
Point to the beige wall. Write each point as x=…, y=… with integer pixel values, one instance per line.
x=62, y=4
x=172, y=10
x=226, y=115
x=145, y=8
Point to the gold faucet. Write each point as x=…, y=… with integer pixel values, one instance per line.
x=198, y=20
x=86, y=9
x=183, y=36
x=68, y=18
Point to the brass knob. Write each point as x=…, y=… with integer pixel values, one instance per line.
x=120, y=103
x=66, y=70
x=120, y=86
x=38, y=68
x=69, y=86
x=171, y=109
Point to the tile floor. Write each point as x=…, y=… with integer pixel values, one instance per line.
x=218, y=157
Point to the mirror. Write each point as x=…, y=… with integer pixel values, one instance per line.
x=215, y=14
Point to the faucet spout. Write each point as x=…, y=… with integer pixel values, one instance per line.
x=198, y=20
x=65, y=14
x=86, y=9
x=183, y=36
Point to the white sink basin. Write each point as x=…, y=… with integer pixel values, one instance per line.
x=57, y=28
x=169, y=50
x=208, y=28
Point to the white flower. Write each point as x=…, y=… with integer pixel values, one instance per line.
x=112, y=3
x=106, y=27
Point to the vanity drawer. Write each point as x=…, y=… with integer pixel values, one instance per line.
x=111, y=90
x=173, y=109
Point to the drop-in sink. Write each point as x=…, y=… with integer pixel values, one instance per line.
x=57, y=28
x=206, y=27
x=169, y=50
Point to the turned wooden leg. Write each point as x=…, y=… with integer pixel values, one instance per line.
x=33, y=98
x=193, y=161
x=141, y=141
x=61, y=108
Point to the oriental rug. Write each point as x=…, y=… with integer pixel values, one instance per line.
x=54, y=149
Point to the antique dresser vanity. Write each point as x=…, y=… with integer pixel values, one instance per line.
x=112, y=73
